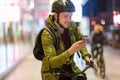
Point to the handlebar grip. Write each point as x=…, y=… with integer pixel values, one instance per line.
x=90, y=63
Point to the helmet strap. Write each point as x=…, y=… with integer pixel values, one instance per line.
x=58, y=17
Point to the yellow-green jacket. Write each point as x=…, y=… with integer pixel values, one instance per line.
x=56, y=58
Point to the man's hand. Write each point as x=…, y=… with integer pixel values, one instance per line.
x=76, y=46
x=87, y=59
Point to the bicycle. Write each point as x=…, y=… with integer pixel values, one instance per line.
x=73, y=76
x=97, y=54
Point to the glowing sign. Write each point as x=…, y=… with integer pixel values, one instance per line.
x=116, y=19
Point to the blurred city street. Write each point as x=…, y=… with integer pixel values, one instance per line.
x=21, y=21
x=29, y=69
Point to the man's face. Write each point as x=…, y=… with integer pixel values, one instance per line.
x=65, y=18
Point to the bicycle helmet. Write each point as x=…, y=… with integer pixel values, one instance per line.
x=63, y=6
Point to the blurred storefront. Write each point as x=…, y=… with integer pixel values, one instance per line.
x=16, y=27
x=20, y=22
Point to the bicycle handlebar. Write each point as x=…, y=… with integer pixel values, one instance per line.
x=59, y=72
x=83, y=71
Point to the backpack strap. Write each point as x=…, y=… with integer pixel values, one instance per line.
x=54, y=36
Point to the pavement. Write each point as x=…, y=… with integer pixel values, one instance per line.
x=11, y=55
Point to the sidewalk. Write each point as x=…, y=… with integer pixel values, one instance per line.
x=29, y=69
x=11, y=56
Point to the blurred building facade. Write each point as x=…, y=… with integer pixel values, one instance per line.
x=20, y=22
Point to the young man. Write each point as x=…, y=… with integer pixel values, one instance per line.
x=70, y=41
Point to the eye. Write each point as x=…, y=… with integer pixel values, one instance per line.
x=68, y=16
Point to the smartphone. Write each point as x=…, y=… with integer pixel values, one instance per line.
x=84, y=37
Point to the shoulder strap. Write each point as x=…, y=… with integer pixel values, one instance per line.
x=54, y=36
